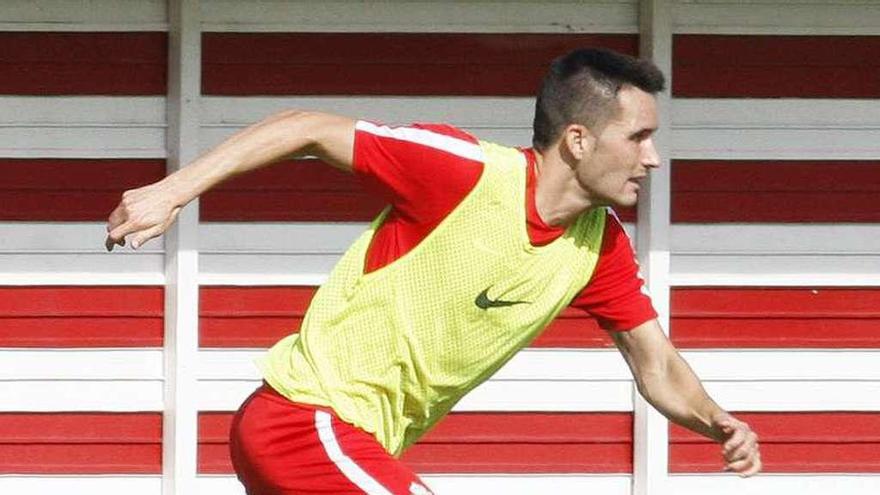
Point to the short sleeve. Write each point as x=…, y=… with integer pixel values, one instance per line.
x=616, y=294
x=423, y=170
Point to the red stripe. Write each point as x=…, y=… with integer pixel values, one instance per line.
x=776, y=66
x=50, y=63
x=775, y=317
x=387, y=63
x=79, y=190
x=486, y=443
x=791, y=442
x=573, y=328
x=260, y=316
x=80, y=443
x=297, y=191
x=752, y=191
x=301, y=190
x=88, y=189
x=81, y=316
x=250, y=316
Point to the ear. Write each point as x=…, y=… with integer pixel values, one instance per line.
x=579, y=141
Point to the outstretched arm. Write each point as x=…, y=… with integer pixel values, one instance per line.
x=148, y=211
x=667, y=382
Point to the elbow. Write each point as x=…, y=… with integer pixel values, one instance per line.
x=292, y=130
x=289, y=115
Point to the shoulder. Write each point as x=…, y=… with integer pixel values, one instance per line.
x=442, y=138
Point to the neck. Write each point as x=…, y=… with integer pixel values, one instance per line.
x=559, y=197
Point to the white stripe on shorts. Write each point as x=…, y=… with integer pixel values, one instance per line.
x=352, y=471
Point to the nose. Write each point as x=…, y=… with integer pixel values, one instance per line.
x=650, y=157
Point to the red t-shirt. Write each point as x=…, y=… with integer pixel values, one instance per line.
x=425, y=170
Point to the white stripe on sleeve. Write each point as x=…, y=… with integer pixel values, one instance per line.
x=345, y=464
x=449, y=144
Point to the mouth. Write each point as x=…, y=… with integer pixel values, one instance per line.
x=637, y=181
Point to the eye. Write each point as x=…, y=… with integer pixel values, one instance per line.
x=641, y=135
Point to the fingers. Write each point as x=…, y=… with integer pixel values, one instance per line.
x=735, y=441
x=746, y=467
x=141, y=237
x=117, y=235
x=141, y=215
x=145, y=236
x=740, y=450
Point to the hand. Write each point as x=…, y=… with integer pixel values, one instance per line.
x=143, y=213
x=739, y=445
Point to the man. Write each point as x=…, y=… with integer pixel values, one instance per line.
x=480, y=247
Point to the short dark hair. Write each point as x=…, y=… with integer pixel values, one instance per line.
x=581, y=87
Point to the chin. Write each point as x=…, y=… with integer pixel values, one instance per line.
x=625, y=201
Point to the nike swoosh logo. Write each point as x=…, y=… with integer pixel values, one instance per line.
x=483, y=302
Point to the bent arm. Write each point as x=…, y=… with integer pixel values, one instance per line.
x=148, y=211
x=669, y=384
x=290, y=133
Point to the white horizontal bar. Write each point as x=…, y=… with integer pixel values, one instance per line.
x=513, y=484
x=775, y=238
x=81, y=269
x=81, y=484
x=73, y=253
x=82, y=127
x=287, y=268
x=494, y=395
x=536, y=379
x=84, y=278
x=703, y=254
x=607, y=364
x=275, y=253
x=286, y=237
x=259, y=279
x=774, y=484
x=502, y=120
x=81, y=395
x=775, y=254
x=95, y=16
x=774, y=270
x=812, y=129
x=464, y=484
x=233, y=112
x=788, y=395
x=435, y=16
x=65, y=238
x=535, y=395
x=271, y=253
x=802, y=17
x=278, y=237
x=538, y=395
x=704, y=128
x=530, y=364
x=773, y=364
x=80, y=364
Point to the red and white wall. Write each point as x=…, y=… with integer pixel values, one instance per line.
x=770, y=253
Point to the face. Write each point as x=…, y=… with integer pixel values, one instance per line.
x=615, y=161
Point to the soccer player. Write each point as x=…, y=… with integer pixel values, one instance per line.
x=480, y=247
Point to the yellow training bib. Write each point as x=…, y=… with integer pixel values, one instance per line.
x=393, y=350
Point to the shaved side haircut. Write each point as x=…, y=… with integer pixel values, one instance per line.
x=581, y=88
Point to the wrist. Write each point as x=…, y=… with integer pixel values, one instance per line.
x=177, y=189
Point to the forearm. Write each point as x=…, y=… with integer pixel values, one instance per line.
x=670, y=385
x=678, y=394
x=278, y=136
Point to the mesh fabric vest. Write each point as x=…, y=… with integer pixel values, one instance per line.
x=393, y=350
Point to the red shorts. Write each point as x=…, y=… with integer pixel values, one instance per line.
x=280, y=447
